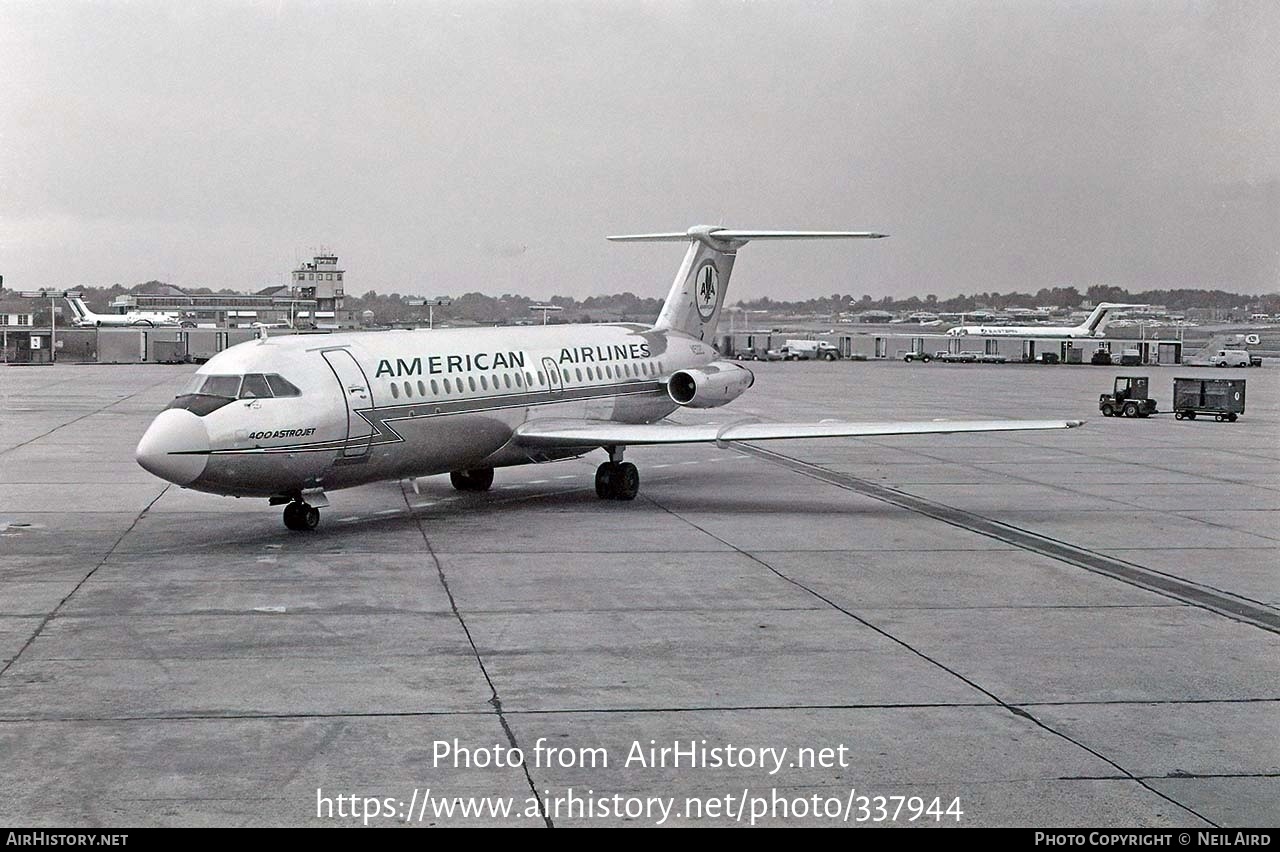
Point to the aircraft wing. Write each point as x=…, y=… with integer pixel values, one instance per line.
x=601, y=433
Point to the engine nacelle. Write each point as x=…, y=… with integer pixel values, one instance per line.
x=710, y=386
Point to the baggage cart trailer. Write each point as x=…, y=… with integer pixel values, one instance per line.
x=1223, y=398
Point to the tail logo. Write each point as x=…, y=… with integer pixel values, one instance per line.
x=708, y=285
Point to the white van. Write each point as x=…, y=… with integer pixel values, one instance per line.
x=1229, y=358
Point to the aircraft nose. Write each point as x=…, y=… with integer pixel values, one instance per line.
x=175, y=447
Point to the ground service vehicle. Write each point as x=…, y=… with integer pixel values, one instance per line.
x=910, y=356
x=803, y=350
x=1229, y=358
x=1128, y=398
x=1223, y=398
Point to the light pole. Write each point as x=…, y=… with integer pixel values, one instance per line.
x=546, y=309
x=431, y=304
x=52, y=296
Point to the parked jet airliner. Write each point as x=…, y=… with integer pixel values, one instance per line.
x=290, y=418
x=1091, y=327
x=146, y=319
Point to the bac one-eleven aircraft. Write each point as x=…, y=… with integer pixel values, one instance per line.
x=291, y=418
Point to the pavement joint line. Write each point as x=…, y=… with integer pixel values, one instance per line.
x=1150, y=466
x=103, y=561
x=495, y=700
x=73, y=421
x=1178, y=513
x=1230, y=606
x=573, y=711
x=1016, y=710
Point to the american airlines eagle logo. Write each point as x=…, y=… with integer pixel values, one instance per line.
x=708, y=283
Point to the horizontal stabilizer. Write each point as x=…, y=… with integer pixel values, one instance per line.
x=599, y=433
x=739, y=235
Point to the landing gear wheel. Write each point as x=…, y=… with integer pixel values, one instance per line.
x=301, y=517
x=479, y=479
x=627, y=485
x=605, y=476
x=617, y=481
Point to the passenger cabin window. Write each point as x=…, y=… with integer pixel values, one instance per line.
x=395, y=391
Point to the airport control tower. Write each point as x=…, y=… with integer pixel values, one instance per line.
x=321, y=279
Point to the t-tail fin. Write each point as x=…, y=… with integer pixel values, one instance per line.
x=697, y=294
x=1098, y=319
x=78, y=308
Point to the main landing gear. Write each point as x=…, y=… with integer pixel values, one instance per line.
x=616, y=479
x=301, y=517
x=479, y=479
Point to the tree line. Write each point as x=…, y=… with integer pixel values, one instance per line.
x=482, y=309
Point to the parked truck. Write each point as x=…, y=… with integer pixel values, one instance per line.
x=804, y=350
x=1223, y=398
x=1128, y=398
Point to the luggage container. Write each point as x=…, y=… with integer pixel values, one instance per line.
x=169, y=351
x=1223, y=398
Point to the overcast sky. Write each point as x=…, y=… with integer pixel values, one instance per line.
x=450, y=147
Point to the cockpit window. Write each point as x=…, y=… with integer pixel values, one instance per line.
x=205, y=393
x=280, y=386
x=254, y=387
x=227, y=386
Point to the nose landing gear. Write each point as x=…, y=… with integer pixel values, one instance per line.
x=616, y=479
x=301, y=517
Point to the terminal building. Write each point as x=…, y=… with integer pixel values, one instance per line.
x=897, y=344
x=313, y=299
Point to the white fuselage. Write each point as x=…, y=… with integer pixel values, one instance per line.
x=1058, y=331
x=86, y=318
x=375, y=406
